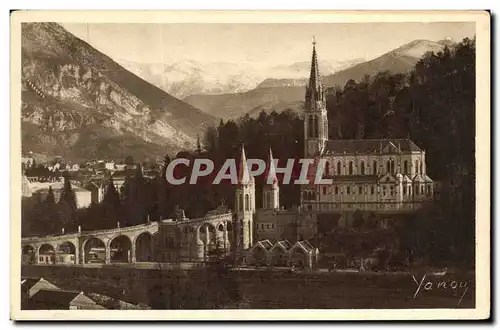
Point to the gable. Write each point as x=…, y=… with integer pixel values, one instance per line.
x=387, y=178
x=390, y=148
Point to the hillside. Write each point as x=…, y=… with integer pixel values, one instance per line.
x=231, y=106
x=399, y=60
x=80, y=104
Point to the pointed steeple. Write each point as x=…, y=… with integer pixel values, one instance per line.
x=243, y=173
x=271, y=173
x=314, y=82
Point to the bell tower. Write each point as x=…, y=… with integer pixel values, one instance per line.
x=315, y=115
x=244, y=204
x=271, y=190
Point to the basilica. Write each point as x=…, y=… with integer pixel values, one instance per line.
x=380, y=177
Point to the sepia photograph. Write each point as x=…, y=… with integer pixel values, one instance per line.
x=250, y=162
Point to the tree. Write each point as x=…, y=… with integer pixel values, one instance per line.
x=129, y=161
x=67, y=204
x=357, y=219
x=50, y=214
x=111, y=206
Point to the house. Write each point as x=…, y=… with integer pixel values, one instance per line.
x=30, y=286
x=62, y=300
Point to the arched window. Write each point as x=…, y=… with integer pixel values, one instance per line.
x=360, y=190
x=422, y=172
x=326, y=170
x=336, y=190
x=416, y=166
x=405, y=167
x=240, y=203
x=247, y=202
x=316, y=127
x=388, y=166
x=338, y=168
x=375, y=167
x=348, y=190
x=350, y=168
x=310, y=127
x=324, y=190
x=392, y=167
x=372, y=190
x=362, y=168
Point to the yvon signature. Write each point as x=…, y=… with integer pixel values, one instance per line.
x=459, y=287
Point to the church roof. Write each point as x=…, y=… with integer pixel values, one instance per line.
x=369, y=146
x=243, y=170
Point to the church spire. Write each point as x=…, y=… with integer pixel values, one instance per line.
x=271, y=170
x=243, y=173
x=314, y=82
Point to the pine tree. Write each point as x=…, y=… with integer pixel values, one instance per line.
x=111, y=206
x=50, y=214
x=67, y=204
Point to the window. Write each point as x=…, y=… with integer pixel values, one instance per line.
x=336, y=190
x=360, y=190
x=313, y=195
x=392, y=167
x=348, y=189
x=272, y=225
x=247, y=202
x=372, y=190
x=416, y=192
x=240, y=203
x=392, y=190
x=384, y=189
x=362, y=168
x=422, y=172
x=326, y=172
x=338, y=168
x=422, y=190
x=350, y=168
x=416, y=167
x=388, y=167
x=428, y=189
x=405, y=169
x=374, y=167
x=324, y=190
x=267, y=226
x=310, y=127
x=404, y=190
x=316, y=127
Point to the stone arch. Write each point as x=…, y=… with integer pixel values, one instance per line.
x=144, y=247
x=46, y=254
x=28, y=254
x=93, y=250
x=66, y=253
x=207, y=228
x=120, y=248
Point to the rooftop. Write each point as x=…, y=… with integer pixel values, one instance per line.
x=367, y=146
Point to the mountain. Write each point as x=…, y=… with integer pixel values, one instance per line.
x=399, y=60
x=231, y=106
x=186, y=78
x=80, y=104
x=282, y=93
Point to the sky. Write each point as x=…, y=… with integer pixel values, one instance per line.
x=265, y=44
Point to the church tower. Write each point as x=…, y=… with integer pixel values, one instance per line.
x=315, y=116
x=271, y=190
x=244, y=204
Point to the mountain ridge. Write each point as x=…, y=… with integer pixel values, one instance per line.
x=68, y=84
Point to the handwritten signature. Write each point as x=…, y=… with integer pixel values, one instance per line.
x=429, y=285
